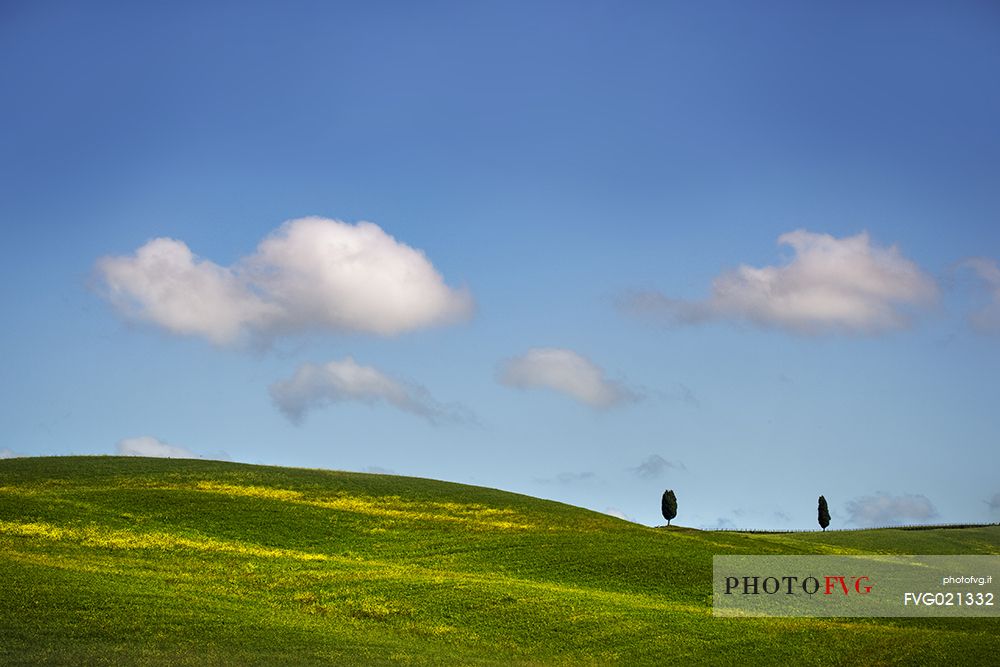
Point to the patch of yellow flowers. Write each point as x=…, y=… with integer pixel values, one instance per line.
x=392, y=507
x=123, y=539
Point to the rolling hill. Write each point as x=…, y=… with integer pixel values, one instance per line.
x=129, y=560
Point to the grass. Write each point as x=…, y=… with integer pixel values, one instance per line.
x=108, y=560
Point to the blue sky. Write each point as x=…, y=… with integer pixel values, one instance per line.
x=578, y=176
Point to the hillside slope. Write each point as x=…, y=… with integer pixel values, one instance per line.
x=108, y=559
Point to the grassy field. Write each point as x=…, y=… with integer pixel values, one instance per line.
x=128, y=560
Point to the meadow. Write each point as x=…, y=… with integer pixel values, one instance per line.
x=107, y=560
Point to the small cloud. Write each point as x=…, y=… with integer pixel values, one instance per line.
x=376, y=470
x=685, y=395
x=147, y=445
x=314, y=386
x=654, y=466
x=994, y=502
x=656, y=306
x=986, y=319
x=781, y=516
x=570, y=477
x=566, y=372
x=614, y=511
x=10, y=454
x=722, y=523
x=882, y=510
x=311, y=274
x=566, y=478
x=846, y=285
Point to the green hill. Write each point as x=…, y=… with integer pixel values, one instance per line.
x=109, y=560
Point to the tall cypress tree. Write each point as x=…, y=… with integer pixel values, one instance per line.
x=668, y=505
x=824, y=513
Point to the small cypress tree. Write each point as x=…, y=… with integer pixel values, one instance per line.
x=824, y=513
x=668, y=505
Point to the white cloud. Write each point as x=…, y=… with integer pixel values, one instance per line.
x=564, y=371
x=147, y=445
x=311, y=274
x=9, y=454
x=654, y=466
x=314, y=386
x=987, y=318
x=883, y=509
x=831, y=285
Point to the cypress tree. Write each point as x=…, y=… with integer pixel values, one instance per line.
x=824, y=513
x=668, y=505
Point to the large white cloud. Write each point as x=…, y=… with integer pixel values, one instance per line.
x=164, y=283
x=147, y=445
x=883, y=509
x=311, y=274
x=831, y=285
x=987, y=318
x=313, y=386
x=564, y=371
